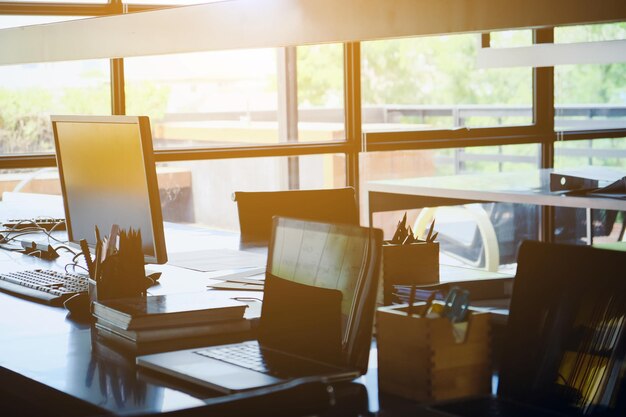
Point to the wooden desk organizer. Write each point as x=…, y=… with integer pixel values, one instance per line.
x=419, y=359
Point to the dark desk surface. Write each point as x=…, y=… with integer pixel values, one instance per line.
x=41, y=343
x=46, y=355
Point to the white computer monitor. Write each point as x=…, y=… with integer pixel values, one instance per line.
x=108, y=176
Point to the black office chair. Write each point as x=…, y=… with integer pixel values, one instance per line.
x=564, y=348
x=568, y=310
x=257, y=208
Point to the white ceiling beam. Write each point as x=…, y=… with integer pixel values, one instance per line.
x=240, y=24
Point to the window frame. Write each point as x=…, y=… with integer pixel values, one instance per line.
x=541, y=131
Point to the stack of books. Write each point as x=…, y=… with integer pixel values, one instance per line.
x=402, y=293
x=166, y=322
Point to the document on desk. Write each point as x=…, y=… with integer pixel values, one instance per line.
x=217, y=260
x=249, y=279
x=237, y=286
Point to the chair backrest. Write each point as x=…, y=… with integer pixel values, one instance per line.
x=256, y=209
x=566, y=336
x=324, y=257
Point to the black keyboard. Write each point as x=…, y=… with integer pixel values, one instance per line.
x=247, y=355
x=46, y=223
x=49, y=286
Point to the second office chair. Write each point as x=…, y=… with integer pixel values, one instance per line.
x=256, y=209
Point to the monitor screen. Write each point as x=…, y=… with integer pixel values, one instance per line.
x=108, y=176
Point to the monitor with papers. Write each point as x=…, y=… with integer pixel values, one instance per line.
x=108, y=176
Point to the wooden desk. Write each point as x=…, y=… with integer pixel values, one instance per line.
x=48, y=356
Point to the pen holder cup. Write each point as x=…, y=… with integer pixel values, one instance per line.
x=119, y=280
x=411, y=264
x=431, y=359
x=98, y=292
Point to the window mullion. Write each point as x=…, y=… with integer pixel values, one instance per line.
x=352, y=103
x=543, y=106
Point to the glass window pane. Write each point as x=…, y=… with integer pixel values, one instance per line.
x=30, y=193
x=607, y=225
x=461, y=240
x=591, y=96
x=590, y=33
x=320, y=93
x=233, y=98
x=597, y=152
x=30, y=93
x=511, y=38
x=201, y=191
x=35, y=180
x=433, y=83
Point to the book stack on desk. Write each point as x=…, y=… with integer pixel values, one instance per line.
x=402, y=293
x=162, y=322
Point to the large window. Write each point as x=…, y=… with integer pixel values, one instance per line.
x=240, y=98
x=590, y=96
x=431, y=83
x=201, y=191
x=29, y=94
x=598, y=152
x=461, y=240
x=320, y=116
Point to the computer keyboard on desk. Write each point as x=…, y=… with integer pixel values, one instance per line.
x=49, y=286
x=47, y=223
x=246, y=354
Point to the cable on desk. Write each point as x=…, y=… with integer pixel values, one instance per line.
x=20, y=231
x=16, y=231
x=74, y=266
x=67, y=248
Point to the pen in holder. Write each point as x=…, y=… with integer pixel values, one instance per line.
x=408, y=260
x=118, y=269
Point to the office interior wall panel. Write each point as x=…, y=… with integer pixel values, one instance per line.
x=271, y=23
